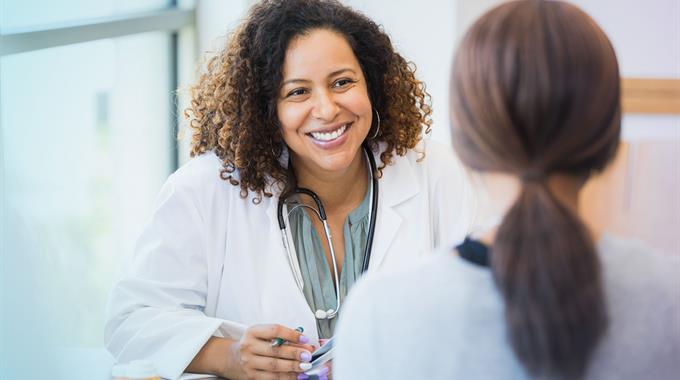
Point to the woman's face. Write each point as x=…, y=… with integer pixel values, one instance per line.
x=323, y=103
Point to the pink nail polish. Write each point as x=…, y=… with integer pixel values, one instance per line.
x=304, y=339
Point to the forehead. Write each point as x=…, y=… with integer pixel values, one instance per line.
x=318, y=53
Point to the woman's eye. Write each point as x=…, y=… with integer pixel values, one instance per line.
x=342, y=82
x=297, y=92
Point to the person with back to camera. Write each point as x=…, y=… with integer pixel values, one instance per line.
x=307, y=94
x=535, y=105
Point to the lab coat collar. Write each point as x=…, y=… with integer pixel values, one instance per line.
x=397, y=184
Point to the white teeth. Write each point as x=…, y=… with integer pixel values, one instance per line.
x=328, y=136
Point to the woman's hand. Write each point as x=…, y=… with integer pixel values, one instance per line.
x=259, y=359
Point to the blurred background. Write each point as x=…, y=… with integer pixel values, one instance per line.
x=91, y=98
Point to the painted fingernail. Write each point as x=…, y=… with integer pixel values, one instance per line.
x=305, y=366
x=302, y=376
x=305, y=356
x=324, y=371
x=323, y=377
x=304, y=339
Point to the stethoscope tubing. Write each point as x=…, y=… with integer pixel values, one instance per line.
x=321, y=213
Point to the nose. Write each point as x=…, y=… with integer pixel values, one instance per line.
x=325, y=106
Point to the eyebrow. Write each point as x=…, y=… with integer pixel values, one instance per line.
x=334, y=73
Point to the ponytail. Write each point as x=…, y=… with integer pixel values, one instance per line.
x=545, y=266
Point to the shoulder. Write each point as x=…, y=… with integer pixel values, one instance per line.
x=643, y=299
x=370, y=333
x=441, y=163
x=627, y=260
x=430, y=162
x=428, y=296
x=198, y=182
x=198, y=171
x=642, y=284
x=378, y=289
x=428, y=154
x=633, y=267
x=202, y=175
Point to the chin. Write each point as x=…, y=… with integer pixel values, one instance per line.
x=335, y=164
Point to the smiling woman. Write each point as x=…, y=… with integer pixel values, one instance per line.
x=305, y=95
x=324, y=109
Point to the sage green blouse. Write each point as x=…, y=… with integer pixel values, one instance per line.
x=317, y=272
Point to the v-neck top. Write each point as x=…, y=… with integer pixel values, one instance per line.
x=317, y=272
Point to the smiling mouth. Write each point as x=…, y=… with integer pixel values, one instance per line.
x=330, y=135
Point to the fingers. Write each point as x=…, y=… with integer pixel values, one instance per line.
x=283, y=352
x=329, y=365
x=272, y=364
x=306, y=347
x=269, y=332
x=260, y=359
x=264, y=356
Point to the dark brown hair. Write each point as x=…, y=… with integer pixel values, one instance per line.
x=535, y=92
x=233, y=107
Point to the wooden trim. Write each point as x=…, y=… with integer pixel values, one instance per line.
x=650, y=95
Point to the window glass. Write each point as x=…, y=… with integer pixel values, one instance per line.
x=29, y=13
x=86, y=142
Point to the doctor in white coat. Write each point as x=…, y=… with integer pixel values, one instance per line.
x=299, y=89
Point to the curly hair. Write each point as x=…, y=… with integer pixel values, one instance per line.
x=233, y=106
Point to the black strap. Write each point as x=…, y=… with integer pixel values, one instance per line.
x=474, y=252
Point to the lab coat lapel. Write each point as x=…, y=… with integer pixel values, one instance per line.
x=398, y=184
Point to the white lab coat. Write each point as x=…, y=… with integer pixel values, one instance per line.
x=211, y=263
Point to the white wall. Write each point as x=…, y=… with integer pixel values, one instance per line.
x=214, y=19
x=424, y=33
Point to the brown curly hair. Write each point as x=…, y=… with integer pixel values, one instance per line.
x=233, y=106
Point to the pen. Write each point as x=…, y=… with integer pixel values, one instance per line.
x=279, y=341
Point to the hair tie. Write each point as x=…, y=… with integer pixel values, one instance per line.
x=532, y=177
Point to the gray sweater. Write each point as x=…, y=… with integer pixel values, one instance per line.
x=444, y=320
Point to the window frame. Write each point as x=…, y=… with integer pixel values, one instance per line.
x=172, y=19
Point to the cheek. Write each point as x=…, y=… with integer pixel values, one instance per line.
x=358, y=101
x=359, y=104
x=291, y=116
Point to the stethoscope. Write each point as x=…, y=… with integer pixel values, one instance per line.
x=321, y=214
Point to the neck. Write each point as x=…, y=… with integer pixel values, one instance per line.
x=338, y=190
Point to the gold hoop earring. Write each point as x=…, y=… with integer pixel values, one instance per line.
x=377, y=128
